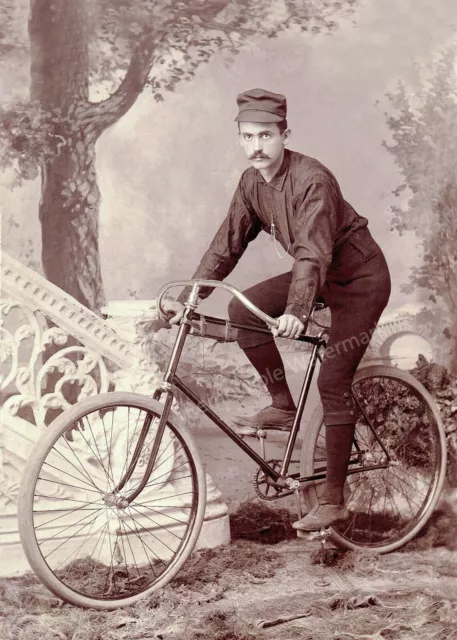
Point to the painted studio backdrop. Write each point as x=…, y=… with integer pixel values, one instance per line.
x=167, y=168
x=119, y=157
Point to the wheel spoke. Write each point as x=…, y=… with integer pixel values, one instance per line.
x=175, y=495
x=76, y=455
x=42, y=495
x=85, y=474
x=72, y=486
x=155, y=523
x=97, y=454
x=43, y=542
x=48, y=464
x=67, y=511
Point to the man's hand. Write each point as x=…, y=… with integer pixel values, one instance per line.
x=174, y=310
x=289, y=327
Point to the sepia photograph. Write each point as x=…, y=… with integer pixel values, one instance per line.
x=228, y=319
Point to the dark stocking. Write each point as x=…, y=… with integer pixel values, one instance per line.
x=267, y=360
x=339, y=440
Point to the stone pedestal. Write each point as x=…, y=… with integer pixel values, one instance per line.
x=123, y=317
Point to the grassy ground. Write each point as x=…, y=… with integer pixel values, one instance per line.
x=240, y=592
x=29, y=612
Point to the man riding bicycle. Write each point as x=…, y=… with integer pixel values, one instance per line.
x=298, y=201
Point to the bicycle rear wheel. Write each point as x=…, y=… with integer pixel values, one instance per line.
x=82, y=539
x=387, y=506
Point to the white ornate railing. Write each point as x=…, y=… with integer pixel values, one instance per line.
x=89, y=357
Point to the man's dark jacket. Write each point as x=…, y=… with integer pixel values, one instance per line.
x=310, y=215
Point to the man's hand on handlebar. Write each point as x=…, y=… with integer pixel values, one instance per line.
x=289, y=327
x=174, y=310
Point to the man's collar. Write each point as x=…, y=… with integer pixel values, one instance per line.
x=277, y=181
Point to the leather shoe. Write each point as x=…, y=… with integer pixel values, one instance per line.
x=321, y=516
x=267, y=418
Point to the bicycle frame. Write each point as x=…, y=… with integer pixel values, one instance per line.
x=171, y=380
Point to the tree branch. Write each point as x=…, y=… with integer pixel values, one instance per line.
x=227, y=29
x=107, y=112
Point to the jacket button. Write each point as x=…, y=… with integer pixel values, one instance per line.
x=346, y=395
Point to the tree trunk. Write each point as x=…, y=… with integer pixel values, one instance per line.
x=69, y=216
x=69, y=206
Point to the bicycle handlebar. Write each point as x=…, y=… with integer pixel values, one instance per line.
x=271, y=322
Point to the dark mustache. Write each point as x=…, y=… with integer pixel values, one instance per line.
x=260, y=156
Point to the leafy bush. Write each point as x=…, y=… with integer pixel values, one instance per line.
x=443, y=387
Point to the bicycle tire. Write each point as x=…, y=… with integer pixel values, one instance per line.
x=409, y=425
x=139, y=548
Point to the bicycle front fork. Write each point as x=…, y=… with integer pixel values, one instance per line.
x=164, y=387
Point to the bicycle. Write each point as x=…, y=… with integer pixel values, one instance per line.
x=111, y=514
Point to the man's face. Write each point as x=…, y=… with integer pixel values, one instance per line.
x=262, y=143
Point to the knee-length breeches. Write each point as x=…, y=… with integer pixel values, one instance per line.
x=357, y=290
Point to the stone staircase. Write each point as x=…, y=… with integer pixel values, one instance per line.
x=89, y=356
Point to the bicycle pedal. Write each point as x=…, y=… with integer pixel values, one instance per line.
x=250, y=432
x=320, y=535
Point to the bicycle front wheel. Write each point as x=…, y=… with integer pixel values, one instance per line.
x=82, y=538
x=398, y=461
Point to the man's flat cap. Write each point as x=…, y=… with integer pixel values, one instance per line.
x=259, y=105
